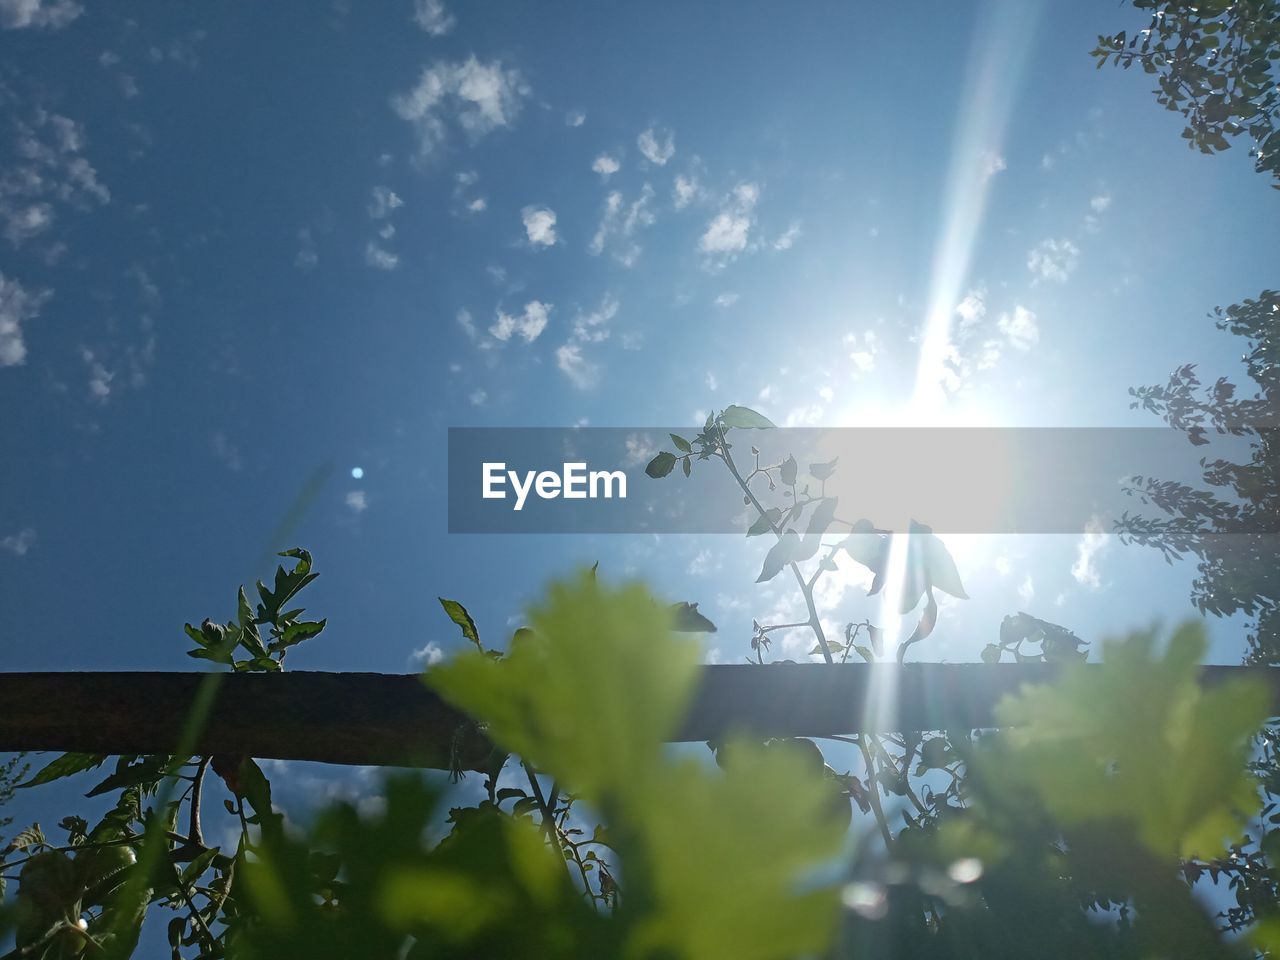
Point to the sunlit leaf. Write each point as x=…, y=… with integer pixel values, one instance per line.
x=745, y=418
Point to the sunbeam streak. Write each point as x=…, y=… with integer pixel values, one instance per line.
x=1001, y=37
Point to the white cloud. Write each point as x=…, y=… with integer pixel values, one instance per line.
x=574, y=365
x=726, y=300
x=593, y=327
x=640, y=448
x=428, y=656
x=703, y=562
x=1093, y=542
x=588, y=328
x=47, y=168
x=467, y=179
x=17, y=305
x=973, y=307
x=376, y=256
x=540, y=225
x=478, y=398
x=657, y=146
x=1027, y=591
x=383, y=201
x=432, y=17
x=479, y=97
x=712, y=383
x=357, y=501
x=226, y=451
x=306, y=258
x=606, y=166
x=787, y=240
x=19, y=543
x=729, y=231
x=575, y=118
x=686, y=190
x=467, y=324
x=528, y=325
x=619, y=223
x=53, y=14
x=863, y=350
x=1020, y=328
x=1053, y=259
x=992, y=163
x=1099, y=204
x=99, y=376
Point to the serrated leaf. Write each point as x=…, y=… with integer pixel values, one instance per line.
x=458, y=614
x=681, y=443
x=65, y=766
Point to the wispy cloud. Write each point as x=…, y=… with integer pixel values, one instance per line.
x=382, y=202
x=729, y=231
x=588, y=328
x=1020, y=328
x=19, y=543
x=619, y=223
x=380, y=257
x=1092, y=544
x=17, y=306
x=657, y=146
x=433, y=17
x=788, y=238
x=48, y=170
x=1053, y=259
x=992, y=163
x=477, y=97
x=47, y=14
x=527, y=325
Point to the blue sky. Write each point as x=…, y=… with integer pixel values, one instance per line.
x=240, y=245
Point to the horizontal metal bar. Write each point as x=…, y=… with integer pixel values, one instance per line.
x=394, y=720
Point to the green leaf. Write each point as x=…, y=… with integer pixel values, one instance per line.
x=779, y=555
x=298, y=632
x=458, y=614
x=790, y=469
x=823, y=471
x=686, y=618
x=681, y=443
x=146, y=771
x=745, y=418
x=31, y=836
x=661, y=465
x=990, y=653
x=940, y=567
x=765, y=522
x=1099, y=744
x=592, y=696
x=65, y=766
